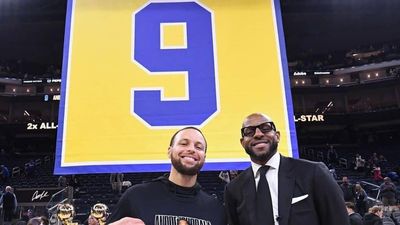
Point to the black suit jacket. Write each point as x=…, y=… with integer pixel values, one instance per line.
x=324, y=204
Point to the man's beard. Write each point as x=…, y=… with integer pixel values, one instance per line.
x=264, y=157
x=190, y=171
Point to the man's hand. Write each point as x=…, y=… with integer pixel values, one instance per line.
x=128, y=221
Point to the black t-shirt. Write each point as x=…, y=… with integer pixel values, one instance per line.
x=161, y=202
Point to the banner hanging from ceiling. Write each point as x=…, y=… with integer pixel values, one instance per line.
x=136, y=71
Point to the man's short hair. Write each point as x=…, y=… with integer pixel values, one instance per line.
x=186, y=128
x=183, y=220
x=374, y=209
x=350, y=205
x=45, y=221
x=35, y=221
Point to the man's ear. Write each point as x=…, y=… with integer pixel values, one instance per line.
x=278, y=136
x=241, y=141
x=169, y=152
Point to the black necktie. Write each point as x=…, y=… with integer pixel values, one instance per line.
x=263, y=202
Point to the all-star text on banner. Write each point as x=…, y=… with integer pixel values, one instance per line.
x=136, y=71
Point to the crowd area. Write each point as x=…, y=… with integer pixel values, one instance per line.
x=71, y=188
x=366, y=54
x=370, y=187
x=21, y=69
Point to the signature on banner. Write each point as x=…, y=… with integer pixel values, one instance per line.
x=36, y=195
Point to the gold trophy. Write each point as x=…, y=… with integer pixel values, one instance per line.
x=100, y=212
x=65, y=214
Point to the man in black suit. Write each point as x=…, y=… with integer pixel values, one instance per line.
x=9, y=202
x=354, y=217
x=301, y=192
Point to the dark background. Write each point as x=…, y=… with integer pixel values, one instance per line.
x=34, y=30
x=323, y=26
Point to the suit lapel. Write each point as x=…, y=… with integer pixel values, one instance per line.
x=286, y=184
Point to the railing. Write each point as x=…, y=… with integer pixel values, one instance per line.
x=372, y=188
x=62, y=196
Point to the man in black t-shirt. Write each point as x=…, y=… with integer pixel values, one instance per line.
x=171, y=198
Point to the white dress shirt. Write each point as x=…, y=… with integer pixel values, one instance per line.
x=272, y=178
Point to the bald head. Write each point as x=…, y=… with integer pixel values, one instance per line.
x=255, y=117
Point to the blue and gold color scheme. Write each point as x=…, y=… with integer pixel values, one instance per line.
x=136, y=71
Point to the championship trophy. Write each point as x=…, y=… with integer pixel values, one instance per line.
x=100, y=212
x=65, y=214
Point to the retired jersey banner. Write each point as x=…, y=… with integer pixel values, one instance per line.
x=136, y=71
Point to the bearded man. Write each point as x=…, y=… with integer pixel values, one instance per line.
x=169, y=199
x=280, y=190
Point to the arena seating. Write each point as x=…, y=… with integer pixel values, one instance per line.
x=95, y=188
